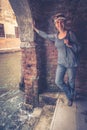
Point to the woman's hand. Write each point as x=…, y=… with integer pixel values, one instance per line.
x=66, y=42
x=34, y=28
x=33, y=24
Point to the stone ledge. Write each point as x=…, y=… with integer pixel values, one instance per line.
x=70, y=118
x=48, y=98
x=9, y=50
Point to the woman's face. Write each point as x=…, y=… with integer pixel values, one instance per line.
x=59, y=24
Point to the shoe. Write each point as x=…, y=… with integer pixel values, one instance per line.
x=70, y=102
x=73, y=94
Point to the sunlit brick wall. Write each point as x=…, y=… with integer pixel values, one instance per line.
x=8, y=20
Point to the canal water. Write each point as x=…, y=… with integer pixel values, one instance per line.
x=10, y=70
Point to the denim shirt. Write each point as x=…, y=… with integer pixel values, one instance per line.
x=67, y=56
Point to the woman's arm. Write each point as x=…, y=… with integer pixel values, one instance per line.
x=45, y=35
x=35, y=29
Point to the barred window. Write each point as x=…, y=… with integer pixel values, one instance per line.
x=16, y=32
x=2, y=33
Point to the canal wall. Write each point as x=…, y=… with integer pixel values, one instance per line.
x=9, y=44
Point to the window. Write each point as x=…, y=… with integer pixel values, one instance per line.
x=16, y=32
x=2, y=34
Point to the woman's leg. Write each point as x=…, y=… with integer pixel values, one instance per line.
x=59, y=80
x=71, y=76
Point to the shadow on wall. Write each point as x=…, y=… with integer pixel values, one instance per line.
x=81, y=33
x=41, y=64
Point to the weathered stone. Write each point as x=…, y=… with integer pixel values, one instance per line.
x=15, y=114
x=45, y=119
x=48, y=98
x=25, y=127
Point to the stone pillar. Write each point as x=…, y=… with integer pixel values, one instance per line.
x=29, y=61
x=29, y=66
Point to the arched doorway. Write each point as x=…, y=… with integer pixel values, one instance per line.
x=39, y=56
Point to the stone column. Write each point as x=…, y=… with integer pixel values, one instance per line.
x=29, y=61
x=29, y=65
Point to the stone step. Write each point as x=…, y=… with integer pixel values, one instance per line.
x=48, y=98
x=45, y=118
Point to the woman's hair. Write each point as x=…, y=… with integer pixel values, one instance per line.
x=59, y=16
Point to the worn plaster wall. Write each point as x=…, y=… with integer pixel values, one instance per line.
x=7, y=18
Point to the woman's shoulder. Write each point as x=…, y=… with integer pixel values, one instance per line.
x=71, y=32
x=55, y=35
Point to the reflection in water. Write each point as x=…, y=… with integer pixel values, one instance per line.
x=10, y=70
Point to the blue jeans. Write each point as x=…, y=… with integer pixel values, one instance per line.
x=68, y=87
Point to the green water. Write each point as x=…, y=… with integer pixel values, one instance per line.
x=10, y=70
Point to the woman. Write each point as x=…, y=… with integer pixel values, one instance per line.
x=68, y=49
